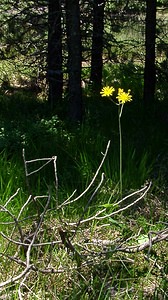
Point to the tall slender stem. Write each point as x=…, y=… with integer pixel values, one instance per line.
x=120, y=136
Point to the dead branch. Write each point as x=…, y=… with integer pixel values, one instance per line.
x=128, y=206
x=26, y=245
x=66, y=202
x=36, y=232
x=88, y=203
x=28, y=264
x=16, y=278
x=106, y=216
x=120, y=247
x=81, y=250
x=11, y=198
x=15, y=220
x=160, y=236
x=27, y=162
x=23, y=284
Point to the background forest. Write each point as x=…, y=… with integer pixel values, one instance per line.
x=84, y=182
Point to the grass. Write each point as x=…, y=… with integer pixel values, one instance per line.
x=28, y=123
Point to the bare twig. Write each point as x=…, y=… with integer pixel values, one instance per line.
x=36, y=232
x=26, y=162
x=15, y=220
x=126, y=207
x=23, y=284
x=47, y=161
x=35, y=268
x=66, y=202
x=160, y=236
x=56, y=178
x=26, y=244
x=130, y=195
x=87, y=205
x=11, y=198
x=28, y=265
x=16, y=278
x=23, y=207
x=97, y=217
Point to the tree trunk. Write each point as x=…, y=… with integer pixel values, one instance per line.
x=150, y=35
x=97, y=44
x=54, y=74
x=74, y=60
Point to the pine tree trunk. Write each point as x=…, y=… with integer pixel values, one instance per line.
x=54, y=74
x=75, y=110
x=97, y=44
x=150, y=35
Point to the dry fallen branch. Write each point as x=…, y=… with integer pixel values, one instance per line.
x=16, y=278
x=159, y=236
x=11, y=198
x=106, y=216
x=66, y=202
x=83, y=253
x=123, y=247
x=89, y=202
x=28, y=266
x=26, y=245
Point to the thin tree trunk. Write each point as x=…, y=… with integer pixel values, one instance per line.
x=150, y=35
x=97, y=44
x=74, y=60
x=54, y=74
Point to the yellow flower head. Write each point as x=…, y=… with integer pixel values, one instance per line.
x=107, y=91
x=123, y=97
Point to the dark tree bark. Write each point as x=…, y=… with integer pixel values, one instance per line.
x=150, y=70
x=54, y=74
x=75, y=111
x=97, y=44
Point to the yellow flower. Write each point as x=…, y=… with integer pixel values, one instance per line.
x=124, y=97
x=107, y=91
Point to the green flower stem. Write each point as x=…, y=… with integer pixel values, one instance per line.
x=120, y=136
